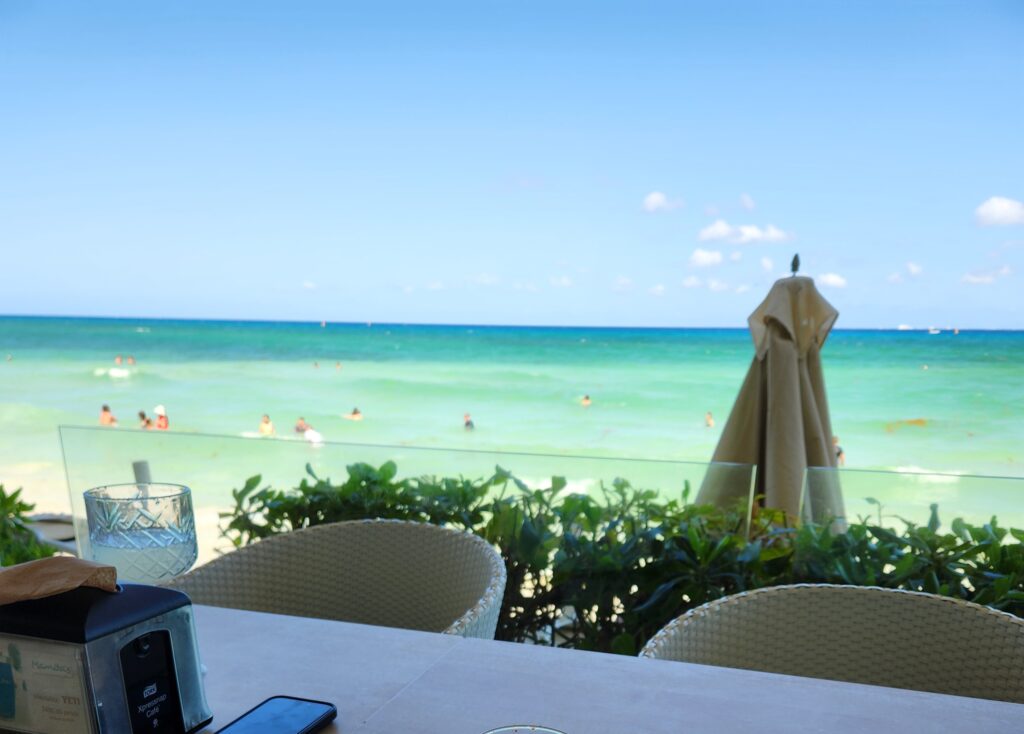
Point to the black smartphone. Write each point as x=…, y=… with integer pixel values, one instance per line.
x=283, y=715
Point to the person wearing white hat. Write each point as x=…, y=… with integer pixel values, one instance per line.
x=161, y=418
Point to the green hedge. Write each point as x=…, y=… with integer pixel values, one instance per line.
x=17, y=543
x=606, y=572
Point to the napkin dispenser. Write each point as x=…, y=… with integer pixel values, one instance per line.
x=87, y=661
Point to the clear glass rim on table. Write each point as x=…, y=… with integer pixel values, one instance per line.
x=524, y=729
x=129, y=491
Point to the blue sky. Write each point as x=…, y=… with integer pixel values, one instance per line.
x=527, y=163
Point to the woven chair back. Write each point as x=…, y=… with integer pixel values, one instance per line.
x=884, y=637
x=383, y=572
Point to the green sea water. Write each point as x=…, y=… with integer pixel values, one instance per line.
x=650, y=389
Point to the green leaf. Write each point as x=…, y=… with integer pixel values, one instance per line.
x=904, y=566
x=750, y=553
x=250, y=484
x=529, y=539
x=388, y=470
x=659, y=594
x=623, y=644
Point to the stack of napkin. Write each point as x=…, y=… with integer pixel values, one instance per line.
x=49, y=576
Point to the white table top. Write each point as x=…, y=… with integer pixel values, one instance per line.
x=390, y=681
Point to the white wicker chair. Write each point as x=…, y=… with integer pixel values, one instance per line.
x=886, y=637
x=384, y=572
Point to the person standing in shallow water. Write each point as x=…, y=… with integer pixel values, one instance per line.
x=144, y=422
x=585, y=402
x=162, y=424
x=106, y=417
x=266, y=426
x=467, y=422
x=709, y=420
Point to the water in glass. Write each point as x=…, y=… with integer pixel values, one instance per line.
x=147, y=531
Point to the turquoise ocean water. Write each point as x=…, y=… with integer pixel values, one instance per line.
x=650, y=388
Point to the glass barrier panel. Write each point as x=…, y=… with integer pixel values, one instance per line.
x=214, y=465
x=889, y=497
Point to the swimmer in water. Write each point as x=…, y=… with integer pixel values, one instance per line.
x=106, y=417
x=840, y=454
x=709, y=420
x=131, y=359
x=162, y=424
x=355, y=415
x=266, y=426
x=309, y=433
x=118, y=360
x=585, y=402
x=467, y=422
x=144, y=423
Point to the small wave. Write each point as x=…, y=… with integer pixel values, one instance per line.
x=929, y=476
x=117, y=373
x=142, y=329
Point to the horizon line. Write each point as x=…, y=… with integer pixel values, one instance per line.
x=369, y=324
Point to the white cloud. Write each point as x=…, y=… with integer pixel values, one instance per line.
x=435, y=285
x=691, y=281
x=986, y=277
x=657, y=290
x=309, y=285
x=741, y=234
x=408, y=288
x=736, y=256
x=747, y=202
x=767, y=264
x=832, y=280
x=753, y=233
x=913, y=270
x=519, y=286
x=717, y=230
x=717, y=285
x=622, y=283
x=560, y=281
x=658, y=202
x=705, y=258
x=998, y=210
x=742, y=288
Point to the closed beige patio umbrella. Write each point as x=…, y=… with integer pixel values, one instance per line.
x=780, y=421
